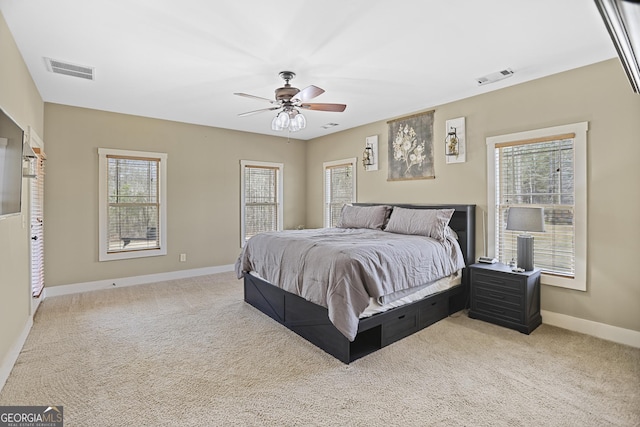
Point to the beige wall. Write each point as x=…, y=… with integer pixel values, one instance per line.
x=598, y=94
x=20, y=99
x=203, y=190
x=203, y=193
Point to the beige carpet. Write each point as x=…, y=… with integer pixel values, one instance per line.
x=192, y=353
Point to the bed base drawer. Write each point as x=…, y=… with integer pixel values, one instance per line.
x=433, y=310
x=402, y=324
x=312, y=322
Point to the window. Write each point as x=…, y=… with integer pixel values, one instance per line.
x=543, y=168
x=339, y=188
x=36, y=218
x=261, y=198
x=132, y=211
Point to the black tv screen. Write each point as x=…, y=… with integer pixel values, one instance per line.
x=11, y=137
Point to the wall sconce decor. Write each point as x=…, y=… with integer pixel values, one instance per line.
x=370, y=154
x=29, y=162
x=455, y=141
x=367, y=156
x=451, y=143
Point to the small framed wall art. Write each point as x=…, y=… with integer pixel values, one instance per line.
x=370, y=154
x=455, y=149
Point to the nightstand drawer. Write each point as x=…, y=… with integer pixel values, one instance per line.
x=499, y=311
x=501, y=282
x=496, y=295
x=504, y=297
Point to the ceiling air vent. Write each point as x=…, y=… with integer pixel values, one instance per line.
x=494, y=77
x=329, y=125
x=73, y=70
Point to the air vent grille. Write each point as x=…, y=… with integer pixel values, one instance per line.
x=60, y=67
x=494, y=77
x=329, y=125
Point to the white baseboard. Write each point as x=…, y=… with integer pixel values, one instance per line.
x=596, y=329
x=13, y=353
x=75, y=288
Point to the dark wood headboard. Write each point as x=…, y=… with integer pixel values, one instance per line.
x=463, y=223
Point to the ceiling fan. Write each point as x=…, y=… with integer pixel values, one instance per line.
x=290, y=100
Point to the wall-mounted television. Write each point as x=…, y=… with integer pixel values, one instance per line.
x=11, y=140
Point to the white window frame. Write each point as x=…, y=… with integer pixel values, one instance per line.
x=103, y=205
x=579, y=281
x=325, y=202
x=279, y=194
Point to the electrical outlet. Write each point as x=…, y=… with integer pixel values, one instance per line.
x=183, y=257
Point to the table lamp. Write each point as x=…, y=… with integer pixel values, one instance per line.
x=525, y=219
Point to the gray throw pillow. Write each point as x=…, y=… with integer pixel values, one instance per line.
x=423, y=222
x=372, y=217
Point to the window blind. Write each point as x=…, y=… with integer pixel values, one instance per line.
x=261, y=199
x=538, y=172
x=37, y=227
x=133, y=203
x=338, y=190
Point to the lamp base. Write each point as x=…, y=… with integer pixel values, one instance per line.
x=525, y=252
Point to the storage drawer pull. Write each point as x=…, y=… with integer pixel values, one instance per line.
x=401, y=317
x=492, y=295
x=494, y=310
x=496, y=281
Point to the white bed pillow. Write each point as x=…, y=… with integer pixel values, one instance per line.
x=373, y=217
x=423, y=222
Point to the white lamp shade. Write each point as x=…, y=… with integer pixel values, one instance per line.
x=525, y=219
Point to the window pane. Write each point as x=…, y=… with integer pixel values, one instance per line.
x=133, y=205
x=338, y=191
x=261, y=200
x=538, y=174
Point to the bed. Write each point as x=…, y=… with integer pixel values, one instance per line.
x=335, y=329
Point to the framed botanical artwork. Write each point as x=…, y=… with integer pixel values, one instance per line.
x=411, y=147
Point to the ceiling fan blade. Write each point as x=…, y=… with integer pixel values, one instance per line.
x=246, y=95
x=324, y=107
x=249, y=113
x=309, y=92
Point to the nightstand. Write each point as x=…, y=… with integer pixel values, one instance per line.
x=504, y=297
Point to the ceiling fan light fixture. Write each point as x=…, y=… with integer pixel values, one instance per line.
x=282, y=120
x=288, y=101
x=301, y=121
x=290, y=119
x=274, y=124
x=298, y=122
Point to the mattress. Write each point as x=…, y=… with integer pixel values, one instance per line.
x=419, y=293
x=375, y=306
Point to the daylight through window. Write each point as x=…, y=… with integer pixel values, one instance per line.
x=339, y=189
x=542, y=168
x=538, y=173
x=261, y=198
x=132, y=211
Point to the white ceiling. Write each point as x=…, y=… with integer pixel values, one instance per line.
x=183, y=60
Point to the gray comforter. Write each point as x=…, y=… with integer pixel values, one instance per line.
x=341, y=268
